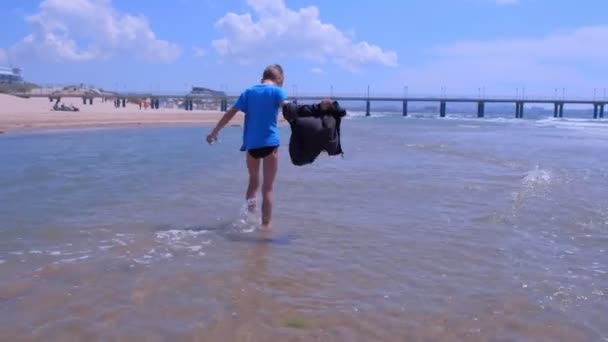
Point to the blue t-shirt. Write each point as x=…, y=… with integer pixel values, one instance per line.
x=260, y=103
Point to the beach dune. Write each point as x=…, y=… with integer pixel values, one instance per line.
x=18, y=113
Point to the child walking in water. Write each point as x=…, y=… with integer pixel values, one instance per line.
x=261, y=104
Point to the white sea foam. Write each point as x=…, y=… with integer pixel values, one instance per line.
x=179, y=241
x=144, y=261
x=359, y=114
x=536, y=182
x=2, y=261
x=537, y=176
x=195, y=248
x=575, y=123
x=500, y=120
x=120, y=242
x=176, y=235
x=72, y=260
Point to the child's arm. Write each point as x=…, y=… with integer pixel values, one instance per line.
x=230, y=113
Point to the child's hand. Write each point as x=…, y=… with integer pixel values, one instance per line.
x=211, y=138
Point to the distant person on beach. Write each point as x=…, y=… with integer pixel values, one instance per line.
x=261, y=104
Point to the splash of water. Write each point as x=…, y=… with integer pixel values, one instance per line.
x=248, y=221
x=536, y=183
x=537, y=177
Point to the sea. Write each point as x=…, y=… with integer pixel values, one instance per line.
x=425, y=229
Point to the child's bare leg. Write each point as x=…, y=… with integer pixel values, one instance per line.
x=253, y=167
x=271, y=165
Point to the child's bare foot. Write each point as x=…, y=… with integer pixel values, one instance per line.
x=251, y=204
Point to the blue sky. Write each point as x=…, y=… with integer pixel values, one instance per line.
x=501, y=45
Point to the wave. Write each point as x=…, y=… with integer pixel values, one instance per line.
x=545, y=121
x=361, y=114
x=574, y=123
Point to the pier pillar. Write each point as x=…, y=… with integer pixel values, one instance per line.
x=84, y=100
x=561, y=110
x=367, y=108
x=90, y=100
x=404, y=108
x=442, y=107
x=602, y=110
x=124, y=102
x=555, y=109
x=481, y=109
x=50, y=99
x=595, y=110
x=519, y=110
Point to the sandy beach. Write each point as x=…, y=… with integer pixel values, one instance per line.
x=19, y=114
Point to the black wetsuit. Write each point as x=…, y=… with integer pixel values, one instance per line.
x=313, y=131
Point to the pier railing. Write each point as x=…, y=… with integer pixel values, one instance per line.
x=188, y=99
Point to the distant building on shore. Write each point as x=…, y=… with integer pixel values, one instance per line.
x=207, y=99
x=10, y=75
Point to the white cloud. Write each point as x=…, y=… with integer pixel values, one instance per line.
x=82, y=30
x=199, y=52
x=317, y=71
x=569, y=59
x=281, y=31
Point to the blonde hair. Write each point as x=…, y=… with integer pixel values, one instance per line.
x=273, y=73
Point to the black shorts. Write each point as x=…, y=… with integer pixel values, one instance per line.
x=262, y=152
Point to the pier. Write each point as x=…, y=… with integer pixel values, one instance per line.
x=189, y=99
